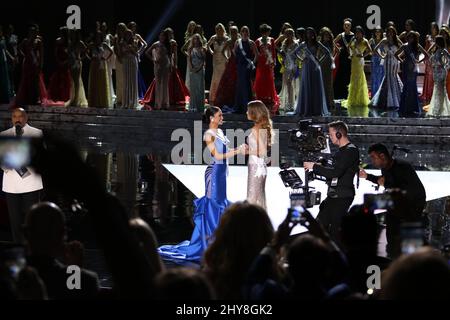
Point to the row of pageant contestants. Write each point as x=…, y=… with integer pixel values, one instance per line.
x=333, y=68
x=209, y=208
x=234, y=60
x=315, y=69
x=66, y=87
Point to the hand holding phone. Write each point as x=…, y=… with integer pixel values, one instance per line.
x=283, y=232
x=313, y=226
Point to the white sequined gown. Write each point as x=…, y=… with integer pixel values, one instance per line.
x=257, y=173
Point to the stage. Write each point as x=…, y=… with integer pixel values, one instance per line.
x=151, y=132
x=131, y=151
x=277, y=196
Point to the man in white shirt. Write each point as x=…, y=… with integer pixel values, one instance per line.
x=22, y=187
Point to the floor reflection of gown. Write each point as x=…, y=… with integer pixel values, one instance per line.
x=257, y=173
x=208, y=209
x=226, y=90
x=264, y=86
x=440, y=104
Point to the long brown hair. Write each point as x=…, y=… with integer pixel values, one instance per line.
x=394, y=35
x=322, y=33
x=259, y=113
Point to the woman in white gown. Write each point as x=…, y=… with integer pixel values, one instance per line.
x=440, y=60
x=259, y=143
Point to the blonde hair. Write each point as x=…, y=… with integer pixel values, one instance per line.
x=220, y=26
x=259, y=113
x=195, y=36
x=286, y=32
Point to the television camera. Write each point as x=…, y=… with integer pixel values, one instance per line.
x=309, y=141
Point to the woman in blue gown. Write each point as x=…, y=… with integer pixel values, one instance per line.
x=409, y=100
x=209, y=208
x=312, y=100
x=377, y=73
x=246, y=52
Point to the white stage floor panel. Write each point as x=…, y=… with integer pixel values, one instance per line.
x=277, y=195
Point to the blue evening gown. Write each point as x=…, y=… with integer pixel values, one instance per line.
x=208, y=209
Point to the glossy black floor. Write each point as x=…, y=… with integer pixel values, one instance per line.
x=139, y=180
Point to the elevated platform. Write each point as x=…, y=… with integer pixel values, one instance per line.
x=141, y=131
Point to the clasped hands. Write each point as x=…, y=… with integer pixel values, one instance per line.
x=243, y=149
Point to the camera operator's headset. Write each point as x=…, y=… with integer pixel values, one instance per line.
x=338, y=135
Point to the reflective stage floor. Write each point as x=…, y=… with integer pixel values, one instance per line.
x=131, y=151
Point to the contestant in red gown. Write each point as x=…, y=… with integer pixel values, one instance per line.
x=31, y=48
x=264, y=86
x=428, y=83
x=177, y=90
x=32, y=90
x=60, y=81
x=226, y=91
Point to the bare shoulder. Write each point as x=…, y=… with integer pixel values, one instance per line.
x=209, y=136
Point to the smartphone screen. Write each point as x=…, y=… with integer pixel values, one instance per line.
x=412, y=235
x=297, y=200
x=15, y=153
x=14, y=260
x=378, y=203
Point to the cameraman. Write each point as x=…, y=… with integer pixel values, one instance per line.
x=400, y=175
x=341, y=190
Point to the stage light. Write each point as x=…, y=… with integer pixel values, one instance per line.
x=173, y=6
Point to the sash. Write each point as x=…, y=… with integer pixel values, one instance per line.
x=344, y=40
x=312, y=57
x=269, y=58
x=413, y=58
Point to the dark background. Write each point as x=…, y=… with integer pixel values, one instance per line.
x=151, y=16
